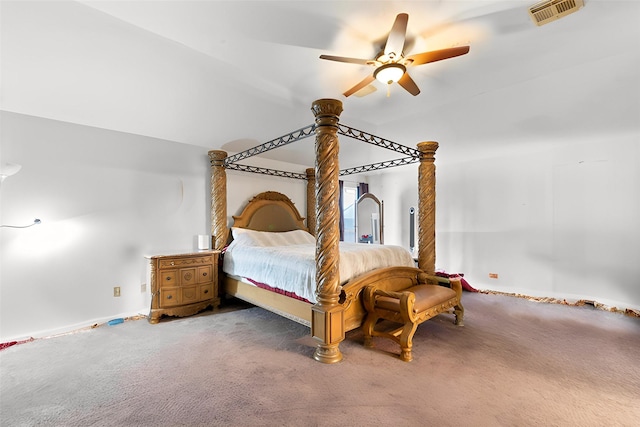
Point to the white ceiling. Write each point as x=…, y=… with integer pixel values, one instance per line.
x=234, y=74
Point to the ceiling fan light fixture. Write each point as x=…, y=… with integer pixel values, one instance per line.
x=389, y=73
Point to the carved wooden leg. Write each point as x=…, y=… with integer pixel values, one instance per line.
x=368, y=327
x=154, y=317
x=459, y=312
x=406, y=341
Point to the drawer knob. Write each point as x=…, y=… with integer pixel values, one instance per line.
x=169, y=296
x=204, y=274
x=206, y=291
x=168, y=278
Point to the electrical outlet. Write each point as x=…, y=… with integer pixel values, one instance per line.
x=143, y=288
x=493, y=275
x=116, y=291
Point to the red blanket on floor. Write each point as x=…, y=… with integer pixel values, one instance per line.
x=465, y=285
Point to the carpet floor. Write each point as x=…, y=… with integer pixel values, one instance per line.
x=515, y=363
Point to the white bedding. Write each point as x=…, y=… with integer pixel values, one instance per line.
x=287, y=260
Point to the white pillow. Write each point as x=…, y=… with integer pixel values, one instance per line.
x=267, y=238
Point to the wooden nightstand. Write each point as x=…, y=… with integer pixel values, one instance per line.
x=184, y=284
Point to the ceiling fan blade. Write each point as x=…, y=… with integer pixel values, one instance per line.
x=407, y=82
x=345, y=59
x=367, y=90
x=366, y=81
x=395, y=41
x=436, y=55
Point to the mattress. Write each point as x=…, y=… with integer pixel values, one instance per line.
x=286, y=260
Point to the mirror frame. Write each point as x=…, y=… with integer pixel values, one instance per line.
x=369, y=196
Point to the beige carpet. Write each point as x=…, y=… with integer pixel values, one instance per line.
x=514, y=363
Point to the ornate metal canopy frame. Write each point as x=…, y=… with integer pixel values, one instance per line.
x=412, y=155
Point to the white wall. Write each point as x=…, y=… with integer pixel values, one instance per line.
x=106, y=199
x=562, y=222
x=397, y=189
x=242, y=186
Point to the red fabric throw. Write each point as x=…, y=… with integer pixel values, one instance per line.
x=465, y=285
x=12, y=343
x=7, y=344
x=278, y=291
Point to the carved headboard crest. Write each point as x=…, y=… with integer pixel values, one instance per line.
x=271, y=195
x=270, y=211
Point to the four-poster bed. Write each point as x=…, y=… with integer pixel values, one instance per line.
x=271, y=245
x=338, y=306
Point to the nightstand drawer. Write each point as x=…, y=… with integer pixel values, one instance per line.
x=188, y=276
x=181, y=295
x=184, y=262
x=190, y=294
x=206, y=291
x=205, y=274
x=169, y=297
x=169, y=278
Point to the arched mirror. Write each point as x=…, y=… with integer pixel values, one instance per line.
x=369, y=219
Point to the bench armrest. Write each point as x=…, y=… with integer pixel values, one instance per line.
x=390, y=294
x=406, y=301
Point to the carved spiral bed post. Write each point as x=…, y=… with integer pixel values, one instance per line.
x=311, y=200
x=219, y=229
x=327, y=323
x=427, y=207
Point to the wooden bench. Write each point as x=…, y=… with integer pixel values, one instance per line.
x=410, y=307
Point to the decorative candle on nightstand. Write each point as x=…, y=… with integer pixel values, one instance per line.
x=204, y=242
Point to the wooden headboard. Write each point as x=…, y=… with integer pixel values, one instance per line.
x=270, y=211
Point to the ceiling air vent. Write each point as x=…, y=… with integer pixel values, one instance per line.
x=550, y=10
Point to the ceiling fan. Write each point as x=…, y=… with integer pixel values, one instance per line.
x=391, y=64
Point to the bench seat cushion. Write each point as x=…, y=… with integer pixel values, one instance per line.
x=427, y=296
